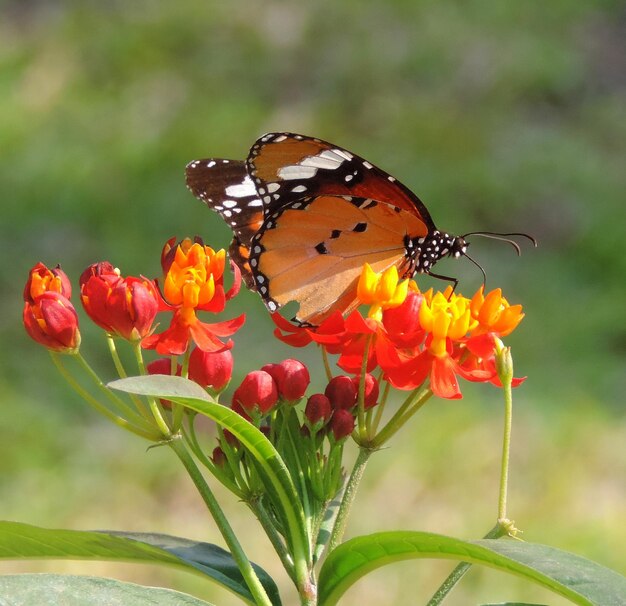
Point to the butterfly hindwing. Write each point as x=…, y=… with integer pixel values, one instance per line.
x=286, y=167
x=312, y=251
x=225, y=187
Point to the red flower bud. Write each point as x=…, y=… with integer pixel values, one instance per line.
x=318, y=410
x=162, y=366
x=342, y=424
x=341, y=392
x=292, y=378
x=122, y=306
x=211, y=369
x=52, y=321
x=218, y=457
x=257, y=390
x=229, y=437
x=371, y=389
x=41, y=280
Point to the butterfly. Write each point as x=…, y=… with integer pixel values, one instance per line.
x=307, y=214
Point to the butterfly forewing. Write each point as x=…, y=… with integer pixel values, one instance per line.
x=312, y=251
x=286, y=167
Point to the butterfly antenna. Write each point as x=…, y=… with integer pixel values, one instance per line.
x=482, y=271
x=503, y=237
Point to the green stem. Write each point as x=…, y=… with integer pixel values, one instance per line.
x=243, y=563
x=380, y=409
x=459, y=571
x=115, y=400
x=348, y=498
x=506, y=448
x=361, y=394
x=329, y=373
x=143, y=432
x=192, y=441
x=121, y=371
x=409, y=407
x=155, y=407
x=274, y=537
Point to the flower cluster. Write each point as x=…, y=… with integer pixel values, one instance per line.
x=127, y=308
x=415, y=337
x=414, y=340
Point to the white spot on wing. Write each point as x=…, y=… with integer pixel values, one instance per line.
x=298, y=189
x=289, y=173
x=327, y=159
x=343, y=153
x=241, y=190
x=272, y=187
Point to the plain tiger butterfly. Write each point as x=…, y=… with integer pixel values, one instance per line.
x=307, y=214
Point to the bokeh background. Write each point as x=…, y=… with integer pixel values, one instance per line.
x=500, y=115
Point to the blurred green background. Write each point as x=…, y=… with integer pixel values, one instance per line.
x=500, y=115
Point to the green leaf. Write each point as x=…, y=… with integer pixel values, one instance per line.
x=55, y=589
x=275, y=474
x=578, y=579
x=19, y=541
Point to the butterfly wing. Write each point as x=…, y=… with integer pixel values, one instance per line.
x=312, y=251
x=286, y=167
x=225, y=187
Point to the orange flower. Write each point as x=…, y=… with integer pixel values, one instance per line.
x=51, y=320
x=121, y=306
x=42, y=279
x=493, y=313
x=193, y=274
x=194, y=280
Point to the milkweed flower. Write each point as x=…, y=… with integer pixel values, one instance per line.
x=415, y=337
x=41, y=279
x=49, y=316
x=194, y=281
x=51, y=321
x=381, y=291
x=125, y=307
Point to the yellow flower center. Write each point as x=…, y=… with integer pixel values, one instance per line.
x=190, y=280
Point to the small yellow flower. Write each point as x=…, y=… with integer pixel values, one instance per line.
x=445, y=315
x=381, y=290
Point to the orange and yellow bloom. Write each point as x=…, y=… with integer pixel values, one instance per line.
x=194, y=281
x=49, y=316
x=415, y=337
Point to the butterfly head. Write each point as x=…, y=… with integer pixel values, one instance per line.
x=427, y=250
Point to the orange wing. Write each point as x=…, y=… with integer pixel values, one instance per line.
x=312, y=251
